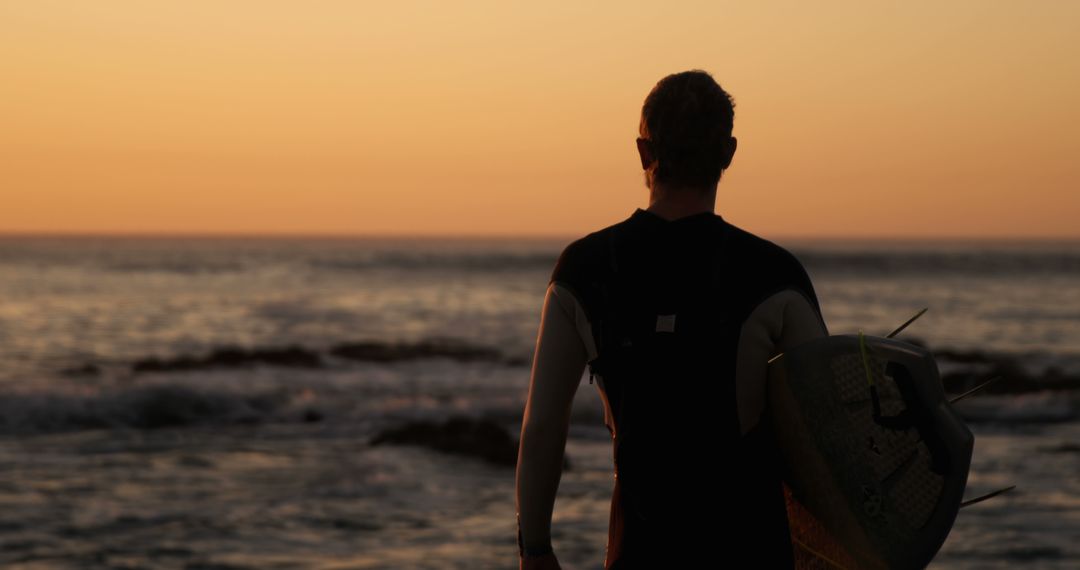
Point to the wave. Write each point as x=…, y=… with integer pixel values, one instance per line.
x=1049, y=406
x=150, y=407
x=922, y=263
x=319, y=384
x=890, y=263
x=296, y=356
x=360, y=262
x=171, y=405
x=200, y=255
x=465, y=261
x=176, y=405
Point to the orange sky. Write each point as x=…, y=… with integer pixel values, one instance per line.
x=922, y=119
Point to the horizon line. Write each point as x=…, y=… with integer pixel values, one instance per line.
x=476, y=236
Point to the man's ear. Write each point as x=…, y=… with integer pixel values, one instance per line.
x=729, y=151
x=644, y=147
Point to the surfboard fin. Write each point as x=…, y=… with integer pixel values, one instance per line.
x=991, y=495
x=909, y=321
x=973, y=390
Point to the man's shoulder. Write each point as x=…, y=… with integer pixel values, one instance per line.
x=579, y=255
x=585, y=254
x=775, y=268
x=758, y=250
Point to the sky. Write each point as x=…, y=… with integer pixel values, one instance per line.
x=855, y=119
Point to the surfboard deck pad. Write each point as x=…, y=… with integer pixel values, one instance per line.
x=875, y=459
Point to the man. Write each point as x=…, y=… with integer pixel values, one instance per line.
x=696, y=477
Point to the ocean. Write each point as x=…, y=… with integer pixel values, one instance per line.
x=211, y=403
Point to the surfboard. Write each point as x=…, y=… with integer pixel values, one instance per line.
x=875, y=459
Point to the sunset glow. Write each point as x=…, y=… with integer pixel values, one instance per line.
x=916, y=119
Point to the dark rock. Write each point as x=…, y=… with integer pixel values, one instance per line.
x=431, y=348
x=194, y=461
x=1014, y=378
x=84, y=370
x=169, y=406
x=963, y=356
x=170, y=551
x=214, y=566
x=482, y=438
x=233, y=357
x=1067, y=447
x=517, y=361
x=352, y=525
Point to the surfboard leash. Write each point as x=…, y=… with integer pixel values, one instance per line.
x=869, y=377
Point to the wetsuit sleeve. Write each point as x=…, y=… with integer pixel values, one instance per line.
x=558, y=366
x=802, y=322
x=576, y=313
x=783, y=320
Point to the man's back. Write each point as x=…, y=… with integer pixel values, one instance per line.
x=696, y=475
x=676, y=312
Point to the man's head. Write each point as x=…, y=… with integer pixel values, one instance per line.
x=685, y=130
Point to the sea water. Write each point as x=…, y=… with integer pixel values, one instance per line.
x=106, y=463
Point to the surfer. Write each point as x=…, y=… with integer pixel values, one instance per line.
x=696, y=481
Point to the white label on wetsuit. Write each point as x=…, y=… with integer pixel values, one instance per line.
x=665, y=323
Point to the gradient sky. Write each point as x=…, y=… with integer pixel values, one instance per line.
x=905, y=119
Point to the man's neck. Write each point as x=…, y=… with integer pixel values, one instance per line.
x=673, y=204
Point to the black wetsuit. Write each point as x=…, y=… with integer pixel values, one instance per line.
x=694, y=491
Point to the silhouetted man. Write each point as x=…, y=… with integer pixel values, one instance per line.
x=676, y=312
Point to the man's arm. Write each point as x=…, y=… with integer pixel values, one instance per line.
x=557, y=368
x=782, y=321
